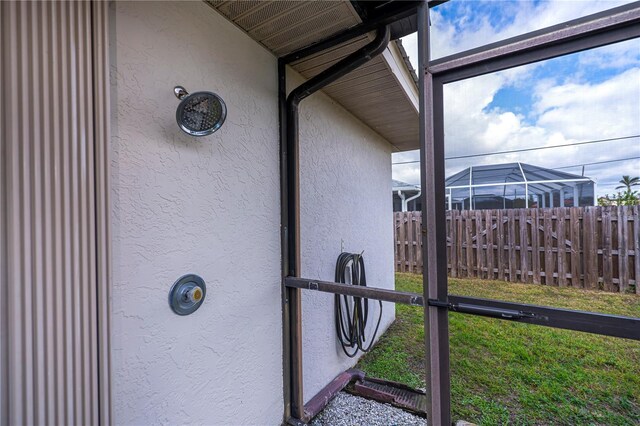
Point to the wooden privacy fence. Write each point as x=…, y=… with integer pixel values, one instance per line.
x=584, y=247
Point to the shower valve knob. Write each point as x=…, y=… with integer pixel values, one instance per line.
x=187, y=294
x=194, y=295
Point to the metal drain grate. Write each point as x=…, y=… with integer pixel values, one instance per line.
x=397, y=394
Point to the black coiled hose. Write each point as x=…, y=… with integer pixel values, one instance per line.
x=352, y=313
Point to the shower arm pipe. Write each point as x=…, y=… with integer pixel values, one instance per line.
x=290, y=157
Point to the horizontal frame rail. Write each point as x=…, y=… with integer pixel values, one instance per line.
x=384, y=295
x=589, y=322
x=607, y=27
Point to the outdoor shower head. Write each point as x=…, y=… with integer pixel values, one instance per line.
x=199, y=113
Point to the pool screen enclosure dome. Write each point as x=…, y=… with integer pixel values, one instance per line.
x=517, y=185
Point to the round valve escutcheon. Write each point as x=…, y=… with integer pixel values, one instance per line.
x=187, y=294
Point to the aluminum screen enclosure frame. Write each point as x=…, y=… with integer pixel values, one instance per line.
x=611, y=26
x=614, y=25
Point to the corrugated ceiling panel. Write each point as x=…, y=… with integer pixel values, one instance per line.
x=266, y=13
x=303, y=35
x=236, y=9
x=283, y=22
x=328, y=57
x=285, y=26
x=369, y=71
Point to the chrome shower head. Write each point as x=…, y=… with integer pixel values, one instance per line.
x=199, y=113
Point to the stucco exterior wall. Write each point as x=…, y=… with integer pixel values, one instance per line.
x=206, y=205
x=345, y=184
x=211, y=206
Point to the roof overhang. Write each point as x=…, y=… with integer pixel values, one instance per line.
x=382, y=94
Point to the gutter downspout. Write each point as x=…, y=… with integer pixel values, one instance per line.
x=406, y=203
x=403, y=206
x=326, y=77
x=292, y=231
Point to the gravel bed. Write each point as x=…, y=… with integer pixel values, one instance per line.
x=350, y=410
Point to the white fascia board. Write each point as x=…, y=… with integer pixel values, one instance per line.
x=395, y=62
x=405, y=188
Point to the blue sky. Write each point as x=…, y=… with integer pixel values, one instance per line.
x=520, y=98
x=585, y=96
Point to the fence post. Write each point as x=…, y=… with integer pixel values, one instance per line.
x=489, y=259
x=411, y=242
x=590, y=251
x=576, y=254
x=403, y=242
x=500, y=243
x=460, y=235
x=479, y=244
x=418, y=247
x=396, y=240
x=453, y=239
x=511, y=227
x=466, y=214
x=607, y=255
x=524, y=246
x=562, y=246
x=623, y=256
x=535, y=247
x=548, y=247
x=636, y=246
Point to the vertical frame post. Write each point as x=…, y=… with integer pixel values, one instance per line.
x=284, y=243
x=436, y=321
x=292, y=302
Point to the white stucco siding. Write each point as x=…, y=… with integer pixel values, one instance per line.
x=345, y=186
x=211, y=206
x=181, y=205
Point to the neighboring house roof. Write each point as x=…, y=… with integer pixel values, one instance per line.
x=398, y=185
x=382, y=93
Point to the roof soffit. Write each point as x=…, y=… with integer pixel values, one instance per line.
x=382, y=93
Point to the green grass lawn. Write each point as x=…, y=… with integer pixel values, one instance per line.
x=509, y=373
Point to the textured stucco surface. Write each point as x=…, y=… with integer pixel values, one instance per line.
x=203, y=205
x=211, y=206
x=345, y=184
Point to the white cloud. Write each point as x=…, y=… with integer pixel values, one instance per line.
x=584, y=111
x=526, y=16
x=564, y=114
x=565, y=109
x=407, y=174
x=617, y=56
